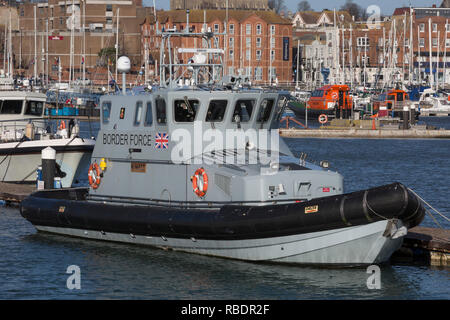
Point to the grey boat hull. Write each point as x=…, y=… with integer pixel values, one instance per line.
x=360, y=245
x=357, y=228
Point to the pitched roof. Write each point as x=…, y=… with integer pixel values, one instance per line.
x=401, y=11
x=309, y=17
x=197, y=16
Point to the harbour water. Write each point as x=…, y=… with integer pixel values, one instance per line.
x=34, y=265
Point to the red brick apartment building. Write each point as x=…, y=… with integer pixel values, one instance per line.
x=45, y=27
x=253, y=39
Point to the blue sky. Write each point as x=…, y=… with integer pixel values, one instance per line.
x=387, y=6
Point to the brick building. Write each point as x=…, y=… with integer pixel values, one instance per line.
x=214, y=4
x=53, y=32
x=255, y=41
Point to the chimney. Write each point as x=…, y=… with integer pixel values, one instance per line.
x=434, y=6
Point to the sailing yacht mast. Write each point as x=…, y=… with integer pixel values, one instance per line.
x=444, y=81
x=10, y=62
x=84, y=43
x=72, y=27
x=35, y=47
x=419, y=59
x=430, y=48
x=350, y=48
x=117, y=41
x=411, y=46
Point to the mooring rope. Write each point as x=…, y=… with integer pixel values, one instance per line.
x=429, y=205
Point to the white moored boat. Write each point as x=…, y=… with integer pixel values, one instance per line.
x=24, y=133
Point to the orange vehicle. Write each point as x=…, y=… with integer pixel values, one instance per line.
x=331, y=100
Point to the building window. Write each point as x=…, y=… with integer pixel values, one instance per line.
x=247, y=54
x=216, y=28
x=258, y=74
x=248, y=42
x=363, y=41
x=231, y=42
x=258, y=29
x=231, y=28
x=422, y=27
x=272, y=43
x=434, y=42
x=274, y=73
x=248, y=29
x=216, y=42
x=422, y=42
x=407, y=42
x=447, y=43
x=230, y=70
x=109, y=7
x=258, y=55
x=231, y=54
x=272, y=55
x=272, y=30
x=434, y=27
x=258, y=42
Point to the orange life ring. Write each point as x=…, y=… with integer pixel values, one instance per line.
x=62, y=125
x=195, y=186
x=94, y=175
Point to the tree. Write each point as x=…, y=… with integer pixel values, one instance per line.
x=303, y=6
x=277, y=5
x=353, y=9
x=107, y=54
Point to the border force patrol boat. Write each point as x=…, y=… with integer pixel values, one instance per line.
x=163, y=174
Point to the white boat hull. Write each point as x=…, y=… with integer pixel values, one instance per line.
x=20, y=160
x=360, y=245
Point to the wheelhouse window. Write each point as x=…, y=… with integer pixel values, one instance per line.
x=161, y=114
x=148, y=115
x=11, y=106
x=216, y=110
x=106, y=111
x=138, y=113
x=185, y=110
x=265, y=110
x=34, y=108
x=317, y=93
x=243, y=109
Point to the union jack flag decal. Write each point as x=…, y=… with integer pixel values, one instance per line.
x=162, y=141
